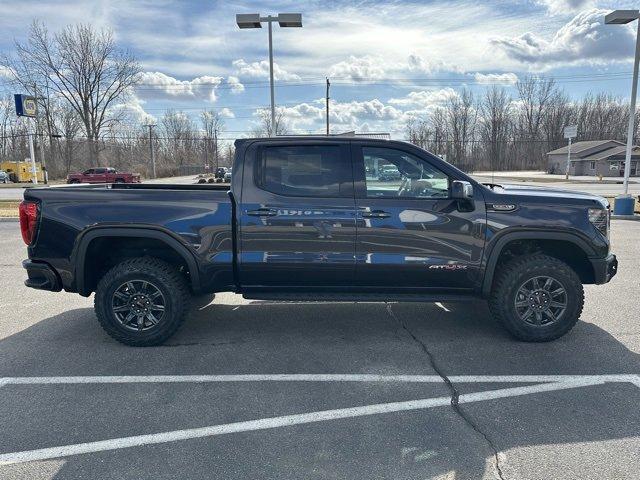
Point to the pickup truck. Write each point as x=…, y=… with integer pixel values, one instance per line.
x=301, y=221
x=103, y=175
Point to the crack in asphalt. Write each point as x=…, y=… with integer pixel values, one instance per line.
x=454, y=392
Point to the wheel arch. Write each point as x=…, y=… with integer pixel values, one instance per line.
x=156, y=234
x=499, y=245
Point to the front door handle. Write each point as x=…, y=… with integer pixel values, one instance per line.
x=263, y=212
x=376, y=214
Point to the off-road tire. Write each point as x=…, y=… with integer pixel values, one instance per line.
x=514, y=274
x=165, y=277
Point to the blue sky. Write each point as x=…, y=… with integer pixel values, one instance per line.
x=387, y=61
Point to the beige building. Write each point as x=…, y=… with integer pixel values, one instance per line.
x=594, y=157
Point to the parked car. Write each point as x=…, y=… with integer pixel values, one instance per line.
x=4, y=177
x=220, y=173
x=302, y=222
x=103, y=175
x=227, y=176
x=388, y=173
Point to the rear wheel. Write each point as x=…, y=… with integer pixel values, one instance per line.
x=537, y=298
x=141, y=302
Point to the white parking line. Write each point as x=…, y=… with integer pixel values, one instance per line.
x=282, y=421
x=303, y=377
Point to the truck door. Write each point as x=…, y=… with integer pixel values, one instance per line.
x=96, y=175
x=297, y=215
x=411, y=234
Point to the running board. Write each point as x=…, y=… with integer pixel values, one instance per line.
x=358, y=297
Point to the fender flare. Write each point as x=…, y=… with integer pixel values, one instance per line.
x=494, y=251
x=79, y=254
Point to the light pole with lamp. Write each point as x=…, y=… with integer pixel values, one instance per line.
x=624, y=203
x=254, y=20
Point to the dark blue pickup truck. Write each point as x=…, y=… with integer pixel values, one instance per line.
x=309, y=218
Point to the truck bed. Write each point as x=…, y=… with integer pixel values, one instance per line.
x=198, y=216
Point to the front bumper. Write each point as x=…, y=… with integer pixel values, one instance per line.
x=604, y=269
x=41, y=276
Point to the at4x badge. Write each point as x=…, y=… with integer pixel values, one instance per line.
x=448, y=267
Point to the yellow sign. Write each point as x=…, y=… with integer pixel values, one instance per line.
x=30, y=108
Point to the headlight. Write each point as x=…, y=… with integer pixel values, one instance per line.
x=599, y=218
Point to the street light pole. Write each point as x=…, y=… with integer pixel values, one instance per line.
x=271, y=86
x=632, y=114
x=254, y=20
x=621, y=17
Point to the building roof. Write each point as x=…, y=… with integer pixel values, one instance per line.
x=578, y=147
x=610, y=152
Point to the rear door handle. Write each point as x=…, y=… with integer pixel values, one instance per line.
x=263, y=212
x=376, y=214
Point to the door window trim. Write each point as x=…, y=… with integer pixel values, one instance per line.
x=360, y=181
x=345, y=157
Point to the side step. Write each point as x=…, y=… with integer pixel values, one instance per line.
x=358, y=297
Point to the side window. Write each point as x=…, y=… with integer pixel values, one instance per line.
x=391, y=173
x=100, y=171
x=306, y=171
x=88, y=172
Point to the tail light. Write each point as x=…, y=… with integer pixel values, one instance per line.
x=28, y=221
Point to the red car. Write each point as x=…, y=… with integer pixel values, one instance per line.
x=103, y=175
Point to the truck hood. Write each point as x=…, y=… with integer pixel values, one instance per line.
x=553, y=194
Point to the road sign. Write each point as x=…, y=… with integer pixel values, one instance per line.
x=26, y=106
x=571, y=131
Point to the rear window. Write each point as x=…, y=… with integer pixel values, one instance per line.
x=307, y=171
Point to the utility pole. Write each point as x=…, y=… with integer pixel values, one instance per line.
x=153, y=155
x=327, y=101
x=215, y=143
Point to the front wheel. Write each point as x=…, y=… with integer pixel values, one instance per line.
x=141, y=302
x=537, y=298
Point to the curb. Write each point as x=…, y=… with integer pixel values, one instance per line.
x=9, y=219
x=633, y=218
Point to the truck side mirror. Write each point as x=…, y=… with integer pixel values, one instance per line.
x=461, y=190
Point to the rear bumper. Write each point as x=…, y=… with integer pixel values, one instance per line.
x=41, y=276
x=604, y=269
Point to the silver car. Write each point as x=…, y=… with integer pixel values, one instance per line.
x=4, y=177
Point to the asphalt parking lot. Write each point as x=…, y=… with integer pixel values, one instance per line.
x=286, y=390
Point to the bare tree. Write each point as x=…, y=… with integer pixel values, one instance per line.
x=81, y=65
x=265, y=129
x=180, y=138
x=535, y=94
x=212, y=124
x=495, y=126
x=461, y=122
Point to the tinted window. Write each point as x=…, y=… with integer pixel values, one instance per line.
x=310, y=171
x=100, y=170
x=394, y=173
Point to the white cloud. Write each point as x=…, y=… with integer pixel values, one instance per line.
x=261, y=70
x=159, y=85
x=359, y=68
x=344, y=116
x=5, y=72
x=584, y=39
x=496, y=78
x=227, y=113
x=565, y=7
x=132, y=111
x=235, y=84
x=425, y=99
